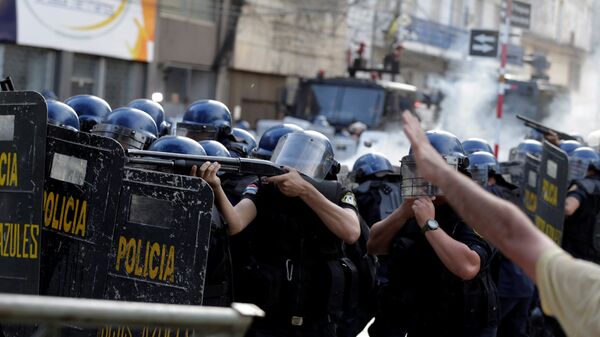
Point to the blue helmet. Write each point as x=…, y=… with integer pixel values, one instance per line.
x=205, y=119
x=176, y=144
x=309, y=152
x=131, y=127
x=372, y=164
x=568, y=146
x=63, y=115
x=242, y=124
x=321, y=120
x=581, y=160
x=449, y=147
x=240, y=143
x=214, y=148
x=153, y=109
x=476, y=144
x=482, y=164
x=527, y=146
x=268, y=141
x=91, y=110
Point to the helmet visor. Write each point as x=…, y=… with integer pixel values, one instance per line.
x=128, y=138
x=578, y=168
x=306, y=154
x=197, y=132
x=480, y=174
x=413, y=185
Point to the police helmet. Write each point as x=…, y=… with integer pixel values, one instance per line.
x=527, y=146
x=309, y=152
x=321, y=120
x=60, y=114
x=154, y=109
x=476, y=144
x=177, y=144
x=205, y=119
x=593, y=140
x=449, y=147
x=372, y=164
x=214, y=148
x=534, y=134
x=243, y=124
x=90, y=109
x=131, y=127
x=568, y=146
x=581, y=160
x=240, y=143
x=268, y=141
x=482, y=164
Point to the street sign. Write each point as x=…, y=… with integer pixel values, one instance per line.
x=520, y=15
x=483, y=43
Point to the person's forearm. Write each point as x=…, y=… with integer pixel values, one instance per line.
x=383, y=232
x=456, y=256
x=498, y=221
x=228, y=211
x=342, y=223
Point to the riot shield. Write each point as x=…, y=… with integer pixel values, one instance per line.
x=552, y=191
x=83, y=180
x=161, y=237
x=23, y=117
x=530, y=185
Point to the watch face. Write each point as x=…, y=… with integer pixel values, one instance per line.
x=432, y=224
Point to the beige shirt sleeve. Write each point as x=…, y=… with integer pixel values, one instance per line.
x=570, y=291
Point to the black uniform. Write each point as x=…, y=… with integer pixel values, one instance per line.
x=377, y=198
x=579, y=227
x=423, y=298
x=297, y=275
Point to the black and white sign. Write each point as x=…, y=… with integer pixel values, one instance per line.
x=520, y=16
x=483, y=43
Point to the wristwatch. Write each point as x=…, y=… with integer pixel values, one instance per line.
x=430, y=225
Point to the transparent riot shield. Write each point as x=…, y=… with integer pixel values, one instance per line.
x=23, y=117
x=83, y=180
x=552, y=191
x=161, y=237
x=530, y=184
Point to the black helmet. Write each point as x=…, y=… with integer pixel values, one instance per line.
x=153, y=109
x=240, y=143
x=131, y=127
x=214, y=148
x=449, y=147
x=90, y=109
x=268, y=141
x=205, y=119
x=60, y=114
x=309, y=152
x=176, y=144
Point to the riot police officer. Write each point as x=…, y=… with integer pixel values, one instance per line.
x=90, y=109
x=132, y=128
x=378, y=193
x=205, y=120
x=155, y=110
x=269, y=139
x=476, y=144
x=439, y=275
x=240, y=143
x=515, y=289
x=582, y=206
x=299, y=274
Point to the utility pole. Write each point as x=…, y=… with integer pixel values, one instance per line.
x=502, y=78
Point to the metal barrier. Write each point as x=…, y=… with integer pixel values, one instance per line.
x=54, y=312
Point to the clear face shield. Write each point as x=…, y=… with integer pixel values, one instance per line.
x=415, y=186
x=128, y=138
x=304, y=153
x=197, y=132
x=480, y=174
x=578, y=168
